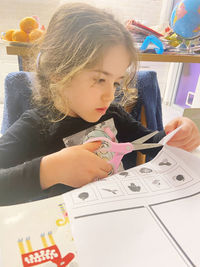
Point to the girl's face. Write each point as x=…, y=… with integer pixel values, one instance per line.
x=91, y=91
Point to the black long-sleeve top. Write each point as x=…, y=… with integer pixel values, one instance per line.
x=33, y=136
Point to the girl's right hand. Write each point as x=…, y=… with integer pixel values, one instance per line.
x=74, y=166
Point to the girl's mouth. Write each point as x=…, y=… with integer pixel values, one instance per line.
x=102, y=110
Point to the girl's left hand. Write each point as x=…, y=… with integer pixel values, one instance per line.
x=187, y=138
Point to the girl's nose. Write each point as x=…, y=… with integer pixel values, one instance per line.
x=109, y=93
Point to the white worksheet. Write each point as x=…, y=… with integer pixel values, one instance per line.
x=146, y=216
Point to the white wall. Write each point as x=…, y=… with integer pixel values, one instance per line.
x=12, y=11
x=144, y=10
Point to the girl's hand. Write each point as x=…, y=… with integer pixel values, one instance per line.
x=74, y=166
x=187, y=138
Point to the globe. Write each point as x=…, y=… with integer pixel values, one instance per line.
x=185, y=19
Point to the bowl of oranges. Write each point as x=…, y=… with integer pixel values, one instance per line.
x=29, y=31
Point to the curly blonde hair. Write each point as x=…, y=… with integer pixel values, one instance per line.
x=76, y=38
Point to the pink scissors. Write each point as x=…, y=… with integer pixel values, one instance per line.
x=114, y=152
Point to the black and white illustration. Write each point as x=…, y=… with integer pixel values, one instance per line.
x=164, y=162
x=156, y=183
x=145, y=170
x=84, y=195
x=178, y=177
x=153, y=209
x=126, y=174
x=109, y=190
x=134, y=186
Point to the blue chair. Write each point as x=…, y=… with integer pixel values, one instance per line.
x=149, y=101
x=17, y=97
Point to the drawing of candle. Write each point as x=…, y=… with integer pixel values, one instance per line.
x=28, y=243
x=61, y=222
x=21, y=246
x=44, y=241
x=51, y=238
x=62, y=207
x=45, y=254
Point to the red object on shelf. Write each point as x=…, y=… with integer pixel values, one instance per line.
x=168, y=29
x=135, y=26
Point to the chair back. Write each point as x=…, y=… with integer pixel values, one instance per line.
x=17, y=97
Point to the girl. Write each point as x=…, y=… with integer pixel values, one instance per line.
x=84, y=56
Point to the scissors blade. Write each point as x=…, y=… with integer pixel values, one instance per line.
x=144, y=138
x=145, y=146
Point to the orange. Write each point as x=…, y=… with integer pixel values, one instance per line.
x=8, y=35
x=20, y=36
x=28, y=24
x=35, y=34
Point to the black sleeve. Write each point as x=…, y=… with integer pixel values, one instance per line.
x=20, y=183
x=19, y=164
x=23, y=141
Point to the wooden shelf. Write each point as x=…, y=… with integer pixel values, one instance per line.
x=170, y=58
x=24, y=50
x=26, y=54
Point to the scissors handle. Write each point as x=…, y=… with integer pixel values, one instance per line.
x=117, y=151
x=119, y=148
x=114, y=152
x=115, y=162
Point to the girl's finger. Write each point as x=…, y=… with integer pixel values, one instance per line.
x=181, y=142
x=100, y=175
x=92, y=146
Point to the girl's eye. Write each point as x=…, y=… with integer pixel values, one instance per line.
x=101, y=80
x=97, y=80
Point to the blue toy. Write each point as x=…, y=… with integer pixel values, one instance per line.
x=153, y=39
